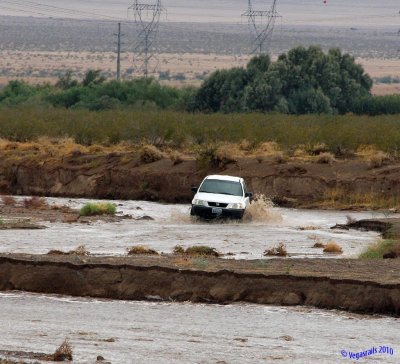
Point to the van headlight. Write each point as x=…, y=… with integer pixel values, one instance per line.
x=199, y=202
x=237, y=206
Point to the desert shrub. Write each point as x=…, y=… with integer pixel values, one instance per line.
x=8, y=200
x=35, y=202
x=279, y=251
x=317, y=149
x=150, y=153
x=141, y=250
x=332, y=247
x=279, y=158
x=1, y=221
x=326, y=158
x=200, y=250
x=176, y=157
x=80, y=251
x=63, y=353
x=98, y=208
x=377, y=160
x=212, y=156
x=178, y=249
x=379, y=249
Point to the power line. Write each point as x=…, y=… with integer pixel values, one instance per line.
x=46, y=10
x=147, y=19
x=261, y=24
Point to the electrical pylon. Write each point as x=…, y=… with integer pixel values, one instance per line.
x=261, y=24
x=147, y=18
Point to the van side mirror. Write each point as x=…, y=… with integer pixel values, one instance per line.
x=195, y=189
x=249, y=195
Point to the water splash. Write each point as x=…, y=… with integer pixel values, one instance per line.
x=261, y=210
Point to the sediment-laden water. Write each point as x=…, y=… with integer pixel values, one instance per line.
x=172, y=225
x=138, y=332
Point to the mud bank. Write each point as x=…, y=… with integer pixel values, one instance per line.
x=359, y=286
x=120, y=176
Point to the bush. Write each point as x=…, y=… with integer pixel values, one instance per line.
x=80, y=251
x=332, y=247
x=212, y=156
x=377, y=160
x=200, y=250
x=63, y=353
x=141, y=250
x=100, y=208
x=279, y=251
x=8, y=200
x=150, y=154
x=326, y=158
x=35, y=202
x=381, y=249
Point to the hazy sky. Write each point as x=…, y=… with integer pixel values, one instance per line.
x=352, y=13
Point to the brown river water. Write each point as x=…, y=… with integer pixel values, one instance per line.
x=170, y=332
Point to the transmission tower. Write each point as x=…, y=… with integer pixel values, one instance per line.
x=147, y=18
x=261, y=24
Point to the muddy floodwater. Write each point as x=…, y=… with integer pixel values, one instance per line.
x=172, y=225
x=171, y=332
x=138, y=332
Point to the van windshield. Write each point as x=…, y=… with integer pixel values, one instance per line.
x=222, y=187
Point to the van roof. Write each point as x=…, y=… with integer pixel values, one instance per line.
x=225, y=178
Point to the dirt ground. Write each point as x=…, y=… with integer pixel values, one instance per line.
x=353, y=285
x=296, y=183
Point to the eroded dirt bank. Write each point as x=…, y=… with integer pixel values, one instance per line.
x=360, y=286
x=122, y=176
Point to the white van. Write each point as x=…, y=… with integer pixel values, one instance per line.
x=221, y=196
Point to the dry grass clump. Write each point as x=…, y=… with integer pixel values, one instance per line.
x=176, y=157
x=325, y=158
x=247, y=146
x=279, y=251
x=35, y=202
x=141, y=250
x=332, y=247
x=200, y=250
x=80, y=251
x=375, y=158
x=269, y=148
x=343, y=198
x=150, y=154
x=63, y=353
x=8, y=200
x=378, y=160
x=279, y=157
x=212, y=156
x=308, y=228
x=383, y=249
x=317, y=149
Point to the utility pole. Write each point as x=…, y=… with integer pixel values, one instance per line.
x=261, y=24
x=119, y=53
x=119, y=44
x=147, y=18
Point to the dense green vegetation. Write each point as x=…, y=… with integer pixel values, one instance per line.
x=303, y=81
x=338, y=132
x=93, y=209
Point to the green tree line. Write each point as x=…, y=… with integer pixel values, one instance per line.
x=303, y=81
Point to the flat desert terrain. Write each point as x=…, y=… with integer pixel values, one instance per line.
x=171, y=68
